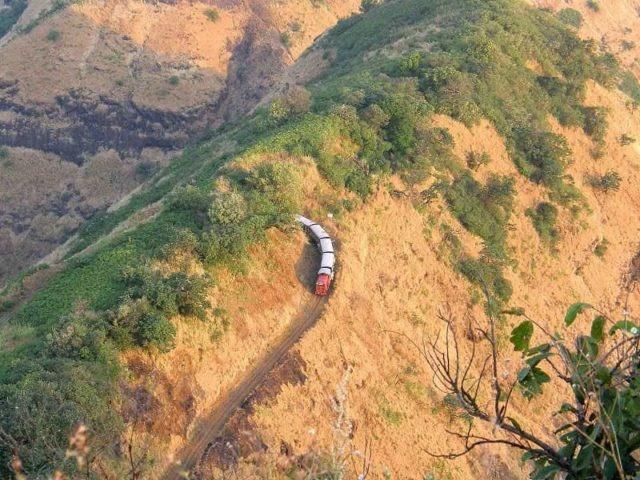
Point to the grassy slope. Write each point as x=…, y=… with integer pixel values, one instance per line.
x=465, y=58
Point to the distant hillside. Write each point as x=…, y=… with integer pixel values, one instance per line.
x=95, y=97
x=463, y=148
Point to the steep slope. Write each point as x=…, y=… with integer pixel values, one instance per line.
x=404, y=101
x=126, y=83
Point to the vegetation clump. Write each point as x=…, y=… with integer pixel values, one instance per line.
x=593, y=5
x=571, y=17
x=212, y=14
x=53, y=35
x=476, y=160
x=607, y=182
x=601, y=248
x=483, y=210
x=544, y=218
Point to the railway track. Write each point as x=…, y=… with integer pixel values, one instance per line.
x=212, y=426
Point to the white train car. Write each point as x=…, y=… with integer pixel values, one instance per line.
x=328, y=261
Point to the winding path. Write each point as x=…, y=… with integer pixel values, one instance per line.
x=212, y=426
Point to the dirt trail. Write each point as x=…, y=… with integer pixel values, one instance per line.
x=213, y=424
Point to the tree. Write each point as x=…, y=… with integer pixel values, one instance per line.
x=600, y=435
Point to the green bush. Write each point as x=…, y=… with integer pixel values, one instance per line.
x=6, y=305
x=629, y=85
x=212, y=14
x=475, y=160
x=601, y=248
x=411, y=64
x=295, y=101
x=404, y=112
x=593, y=5
x=79, y=336
x=375, y=116
x=177, y=293
x=570, y=16
x=53, y=35
x=541, y=155
x=607, y=182
x=484, y=211
x=596, y=123
x=190, y=199
x=174, y=80
x=285, y=38
x=544, y=219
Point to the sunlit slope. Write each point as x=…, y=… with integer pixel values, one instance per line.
x=459, y=146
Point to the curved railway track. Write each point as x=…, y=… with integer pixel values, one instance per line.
x=212, y=426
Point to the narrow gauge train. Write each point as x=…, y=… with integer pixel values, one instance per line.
x=328, y=262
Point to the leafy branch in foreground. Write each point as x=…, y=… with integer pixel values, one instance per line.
x=600, y=433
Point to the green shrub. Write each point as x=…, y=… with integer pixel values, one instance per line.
x=80, y=336
x=607, y=182
x=275, y=192
x=285, y=38
x=593, y=5
x=596, y=123
x=601, y=248
x=484, y=211
x=629, y=85
x=53, y=35
x=212, y=14
x=174, y=80
x=171, y=295
x=155, y=330
x=541, y=155
x=475, y=160
x=570, y=16
x=404, y=112
x=544, y=219
x=411, y=64
x=189, y=198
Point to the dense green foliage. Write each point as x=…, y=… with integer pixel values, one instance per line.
x=483, y=210
x=607, y=182
x=600, y=437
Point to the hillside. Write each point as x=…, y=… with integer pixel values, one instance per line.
x=477, y=158
x=95, y=97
